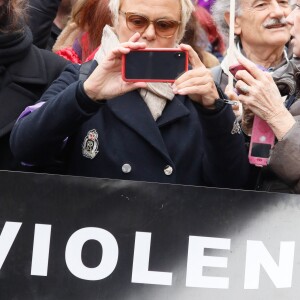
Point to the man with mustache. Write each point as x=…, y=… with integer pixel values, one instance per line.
x=262, y=94
x=261, y=33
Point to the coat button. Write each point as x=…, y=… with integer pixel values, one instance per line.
x=126, y=168
x=168, y=170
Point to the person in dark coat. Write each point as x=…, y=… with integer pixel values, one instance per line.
x=105, y=127
x=25, y=73
x=47, y=19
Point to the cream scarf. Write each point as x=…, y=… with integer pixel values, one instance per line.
x=156, y=94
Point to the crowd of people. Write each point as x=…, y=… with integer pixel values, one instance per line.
x=57, y=118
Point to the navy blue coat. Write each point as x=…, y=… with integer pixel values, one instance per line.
x=119, y=138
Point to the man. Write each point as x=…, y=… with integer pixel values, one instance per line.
x=261, y=33
x=108, y=128
x=25, y=72
x=259, y=92
x=47, y=19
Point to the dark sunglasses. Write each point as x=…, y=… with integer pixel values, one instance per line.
x=163, y=27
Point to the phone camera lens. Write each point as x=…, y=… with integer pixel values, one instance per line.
x=178, y=54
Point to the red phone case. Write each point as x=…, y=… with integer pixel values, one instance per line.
x=173, y=50
x=262, y=141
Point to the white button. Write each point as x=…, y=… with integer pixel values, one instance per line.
x=126, y=168
x=168, y=170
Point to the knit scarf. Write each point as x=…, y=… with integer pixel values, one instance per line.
x=156, y=94
x=14, y=46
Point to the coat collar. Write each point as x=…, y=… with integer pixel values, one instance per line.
x=133, y=111
x=31, y=69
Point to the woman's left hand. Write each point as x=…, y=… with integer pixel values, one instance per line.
x=197, y=83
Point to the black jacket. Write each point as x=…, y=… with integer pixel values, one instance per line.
x=41, y=16
x=21, y=84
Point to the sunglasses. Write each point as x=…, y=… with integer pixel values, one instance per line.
x=164, y=28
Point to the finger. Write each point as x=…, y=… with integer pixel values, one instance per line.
x=231, y=93
x=251, y=68
x=246, y=77
x=187, y=81
x=195, y=88
x=125, y=48
x=135, y=37
x=246, y=100
x=196, y=74
x=136, y=85
x=242, y=87
x=133, y=45
x=193, y=56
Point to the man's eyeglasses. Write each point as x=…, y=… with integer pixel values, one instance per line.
x=163, y=27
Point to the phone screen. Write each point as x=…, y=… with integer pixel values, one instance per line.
x=155, y=65
x=260, y=150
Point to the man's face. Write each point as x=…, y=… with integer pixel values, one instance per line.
x=262, y=23
x=153, y=10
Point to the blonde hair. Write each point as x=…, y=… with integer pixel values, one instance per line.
x=187, y=7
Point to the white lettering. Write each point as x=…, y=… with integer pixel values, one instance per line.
x=7, y=237
x=197, y=261
x=110, y=253
x=257, y=255
x=40, y=251
x=140, y=269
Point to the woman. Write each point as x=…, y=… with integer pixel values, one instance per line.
x=196, y=37
x=260, y=95
x=108, y=128
x=82, y=35
x=25, y=72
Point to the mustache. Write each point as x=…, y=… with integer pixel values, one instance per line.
x=275, y=21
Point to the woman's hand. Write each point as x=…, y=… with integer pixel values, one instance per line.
x=106, y=80
x=197, y=83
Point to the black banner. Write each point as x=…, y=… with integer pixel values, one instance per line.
x=66, y=237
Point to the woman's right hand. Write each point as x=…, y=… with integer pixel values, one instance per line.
x=106, y=80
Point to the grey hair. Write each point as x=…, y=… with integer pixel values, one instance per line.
x=187, y=7
x=218, y=10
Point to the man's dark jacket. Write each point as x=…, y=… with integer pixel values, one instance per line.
x=21, y=84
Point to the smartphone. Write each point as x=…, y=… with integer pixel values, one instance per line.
x=261, y=143
x=154, y=64
x=234, y=68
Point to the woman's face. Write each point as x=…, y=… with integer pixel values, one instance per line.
x=165, y=10
x=294, y=20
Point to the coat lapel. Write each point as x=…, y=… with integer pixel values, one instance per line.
x=133, y=111
x=31, y=70
x=173, y=111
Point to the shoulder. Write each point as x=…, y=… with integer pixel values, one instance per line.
x=209, y=60
x=50, y=57
x=217, y=74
